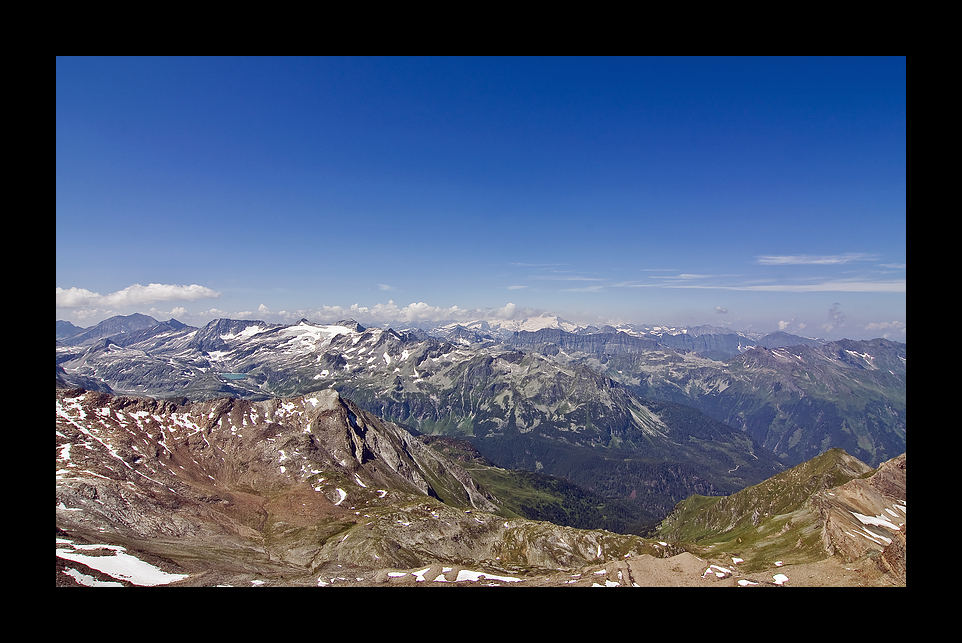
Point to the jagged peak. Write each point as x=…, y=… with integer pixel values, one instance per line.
x=350, y=323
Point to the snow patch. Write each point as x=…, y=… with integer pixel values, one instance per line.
x=468, y=575
x=720, y=572
x=879, y=520
x=419, y=576
x=121, y=565
x=90, y=581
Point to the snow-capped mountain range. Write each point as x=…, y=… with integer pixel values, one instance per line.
x=504, y=329
x=788, y=396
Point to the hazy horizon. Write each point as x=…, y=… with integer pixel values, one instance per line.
x=495, y=317
x=756, y=194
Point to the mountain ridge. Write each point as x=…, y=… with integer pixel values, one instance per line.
x=288, y=486
x=804, y=514
x=315, y=491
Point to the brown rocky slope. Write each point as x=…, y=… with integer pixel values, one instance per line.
x=313, y=491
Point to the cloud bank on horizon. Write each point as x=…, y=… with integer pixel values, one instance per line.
x=75, y=303
x=132, y=296
x=759, y=194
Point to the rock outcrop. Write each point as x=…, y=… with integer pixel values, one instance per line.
x=287, y=487
x=831, y=506
x=866, y=516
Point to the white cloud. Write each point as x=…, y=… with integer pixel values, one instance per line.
x=95, y=313
x=506, y=312
x=567, y=278
x=720, y=310
x=791, y=324
x=834, y=285
x=785, y=260
x=177, y=312
x=893, y=325
x=391, y=312
x=134, y=295
x=519, y=264
x=584, y=289
x=892, y=328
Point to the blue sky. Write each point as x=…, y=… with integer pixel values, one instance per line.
x=751, y=193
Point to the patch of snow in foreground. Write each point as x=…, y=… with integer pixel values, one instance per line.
x=440, y=578
x=419, y=576
x=720, y=572
x=463, y=575
x=780, y=579
x=90, y=581
x=746, y=583
x=121, y=565
x=343, y=495
x=466, y=574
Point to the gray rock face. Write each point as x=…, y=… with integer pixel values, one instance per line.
x=596, y=343
x=866, y=515
x=796, y=401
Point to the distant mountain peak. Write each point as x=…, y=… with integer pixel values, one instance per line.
x=350, y=323
x=113, y=326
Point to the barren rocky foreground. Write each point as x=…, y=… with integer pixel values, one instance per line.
x=681, y=570
x=315, y=492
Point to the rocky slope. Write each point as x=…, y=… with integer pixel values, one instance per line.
x=796, y=401
x=796, y=396
x=314, y=491
x=831, y=506
x=232, y=489
x=865, y=517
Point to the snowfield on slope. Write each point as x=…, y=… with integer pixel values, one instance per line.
x=121, y=566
